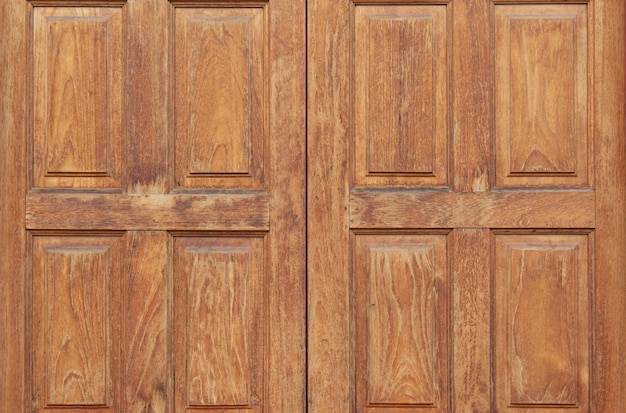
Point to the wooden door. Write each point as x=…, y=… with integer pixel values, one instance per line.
x=466, y=189
x=152, y=214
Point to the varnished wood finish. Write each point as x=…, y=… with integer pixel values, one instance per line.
x=243, y=212
x=76, y=318
x=147, y=334
x=471, y=320
x=219, y=322
x=402, y=289
x=12, y=191
x=90, y=287
x=221, y=99
x=77, y=92
x=608, y=379
x=330, y=332
x=401, y=103
x=541, y=77
x=542, y=297
x=375, y=208
x=535, y=157
x=147, y=98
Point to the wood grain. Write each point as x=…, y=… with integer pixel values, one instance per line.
x=471, y=95
x=330, y=324
x=147, y=289
x=219, y=321
x=147, y=103
x=610, y=258
x=542, y=322
x=471, y=320
x=287, y=266
x=77, y=84
x=12, y=191
x=541, y=62
x=243, y=212
x=220, y=95
x=401, y=302
x=397, y=208
x=401, y=95
x=76, y=336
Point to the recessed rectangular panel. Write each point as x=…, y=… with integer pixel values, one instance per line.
x=541, y=64
x=542, y=321
x=75, y=317
x=220, y=109
x=401, y=284
x=401, y=103
x=219, y=311
x=77, y=79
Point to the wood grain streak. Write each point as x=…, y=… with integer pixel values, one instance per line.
x=76, y=285
x=400, y=323
x=541, y=75
x=12, y=189
x=471, y=93
x=401, y=95
x=434, y=209
x=471, y=316
x=147, y=97
x=77, y=70
x=330, y=325
x=287, y=278
x=148, y=212
x=220, y=110
x=401, y=294
x=219, y=322
x=76, y=302
x=610, y=259
x=146, y=293
x=542, y=322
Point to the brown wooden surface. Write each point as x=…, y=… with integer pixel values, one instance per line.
x=402, y=290
x=147, y=333
x=535, y=158
x=12, y=191
x=542, y=288
x=565, y=148
x=90, y=288
x=610, y=260
x=471, y=320
x=330, y=328
x=242, y=211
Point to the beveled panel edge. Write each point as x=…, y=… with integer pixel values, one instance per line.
x=561, y=179
x=220, y=243
x=116, y=248
x=585, y=404
x=441, y=240
x=112, y=178
x=428, y=180
x=256, y=177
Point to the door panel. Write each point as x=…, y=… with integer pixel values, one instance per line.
x=158, y=152
x=464, y=207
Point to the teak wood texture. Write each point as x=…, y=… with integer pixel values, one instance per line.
x=312, y=206
x=466, y=181
x=152, y=206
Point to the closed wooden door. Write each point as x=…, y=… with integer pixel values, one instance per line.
x=153, y=206
x=466, y=189
x=464, y=192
